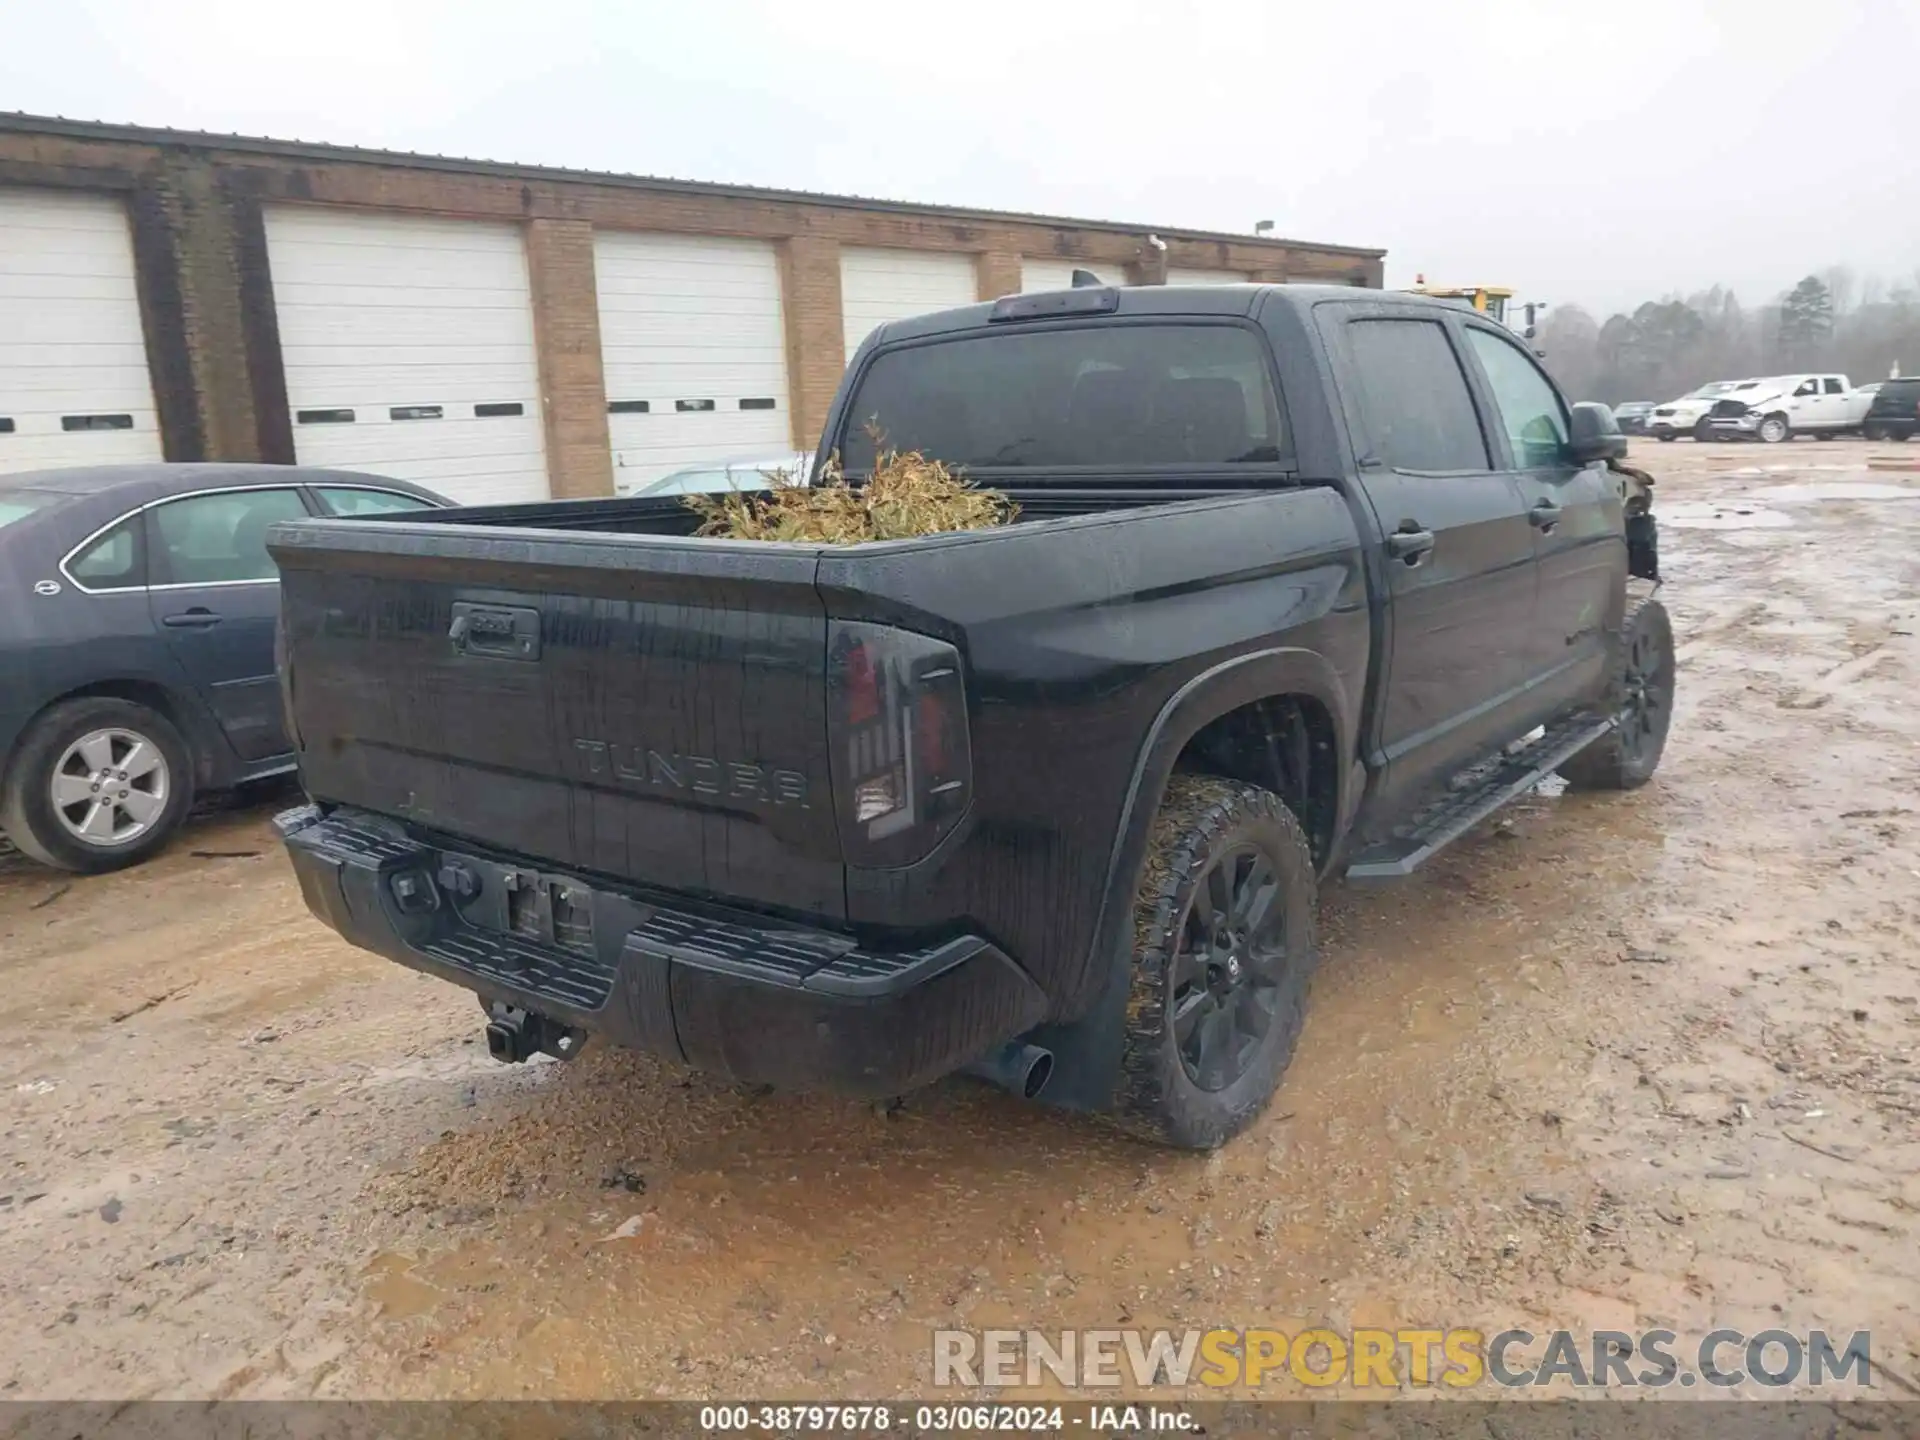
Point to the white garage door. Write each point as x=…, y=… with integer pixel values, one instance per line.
x=1181, y=275
x=1058, y=274
x=695, y=349
x=881, y=285
x=409, y=351
x=73, y=360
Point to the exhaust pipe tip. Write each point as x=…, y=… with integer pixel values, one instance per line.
x=1039, y=1072
x=1017, y=1068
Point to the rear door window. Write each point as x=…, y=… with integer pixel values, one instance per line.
x=1414, y=401
x=220, y=539
x=1116, y=396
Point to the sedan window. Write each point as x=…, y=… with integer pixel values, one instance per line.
x=18, y=504
x=221, y=538
x=114, y=560
x=351, y=500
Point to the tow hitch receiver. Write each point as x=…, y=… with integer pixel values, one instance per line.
x=515, y=1035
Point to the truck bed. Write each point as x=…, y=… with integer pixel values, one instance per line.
x=650, y=709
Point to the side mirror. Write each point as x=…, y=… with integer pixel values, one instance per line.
x=1595, y=435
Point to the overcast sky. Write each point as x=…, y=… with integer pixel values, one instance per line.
x=1599, y=153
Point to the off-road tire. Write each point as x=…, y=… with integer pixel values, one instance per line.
x=1200, y=821
x=26, y=803
x=1626, y=757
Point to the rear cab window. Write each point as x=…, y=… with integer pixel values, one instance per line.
x=1118, y=396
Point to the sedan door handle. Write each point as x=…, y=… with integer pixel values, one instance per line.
x=1409, y=542
x=1544, y=515
x=198, y=618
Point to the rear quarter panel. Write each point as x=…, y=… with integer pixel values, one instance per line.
x=1077, y=636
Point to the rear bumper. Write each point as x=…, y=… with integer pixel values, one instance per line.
x=746, y=997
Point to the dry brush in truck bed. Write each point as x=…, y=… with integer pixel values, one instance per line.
x=907, y=495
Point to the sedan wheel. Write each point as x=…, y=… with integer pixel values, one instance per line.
x=96, y=784
x=110, y=787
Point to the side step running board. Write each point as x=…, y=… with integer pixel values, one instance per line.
x=1485, y=790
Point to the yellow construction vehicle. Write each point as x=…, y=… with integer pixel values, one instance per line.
x=1488, y=300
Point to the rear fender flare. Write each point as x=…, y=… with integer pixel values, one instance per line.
x=1227, y=686
x=1085, y=1037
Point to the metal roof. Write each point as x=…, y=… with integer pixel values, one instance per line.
x=21, y=123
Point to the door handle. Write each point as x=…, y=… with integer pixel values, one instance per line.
x=198, y=618
x=1544, y=515
x=1409, y=542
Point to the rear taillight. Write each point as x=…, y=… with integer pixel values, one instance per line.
x=902, y=768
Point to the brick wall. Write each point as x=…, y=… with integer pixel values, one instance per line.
x=207, y=299
x=816, y=339
x=566, y=329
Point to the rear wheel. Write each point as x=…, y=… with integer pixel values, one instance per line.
x=97, y=784
x=1702, y=432
x=1223, y=950
x=1641, y=697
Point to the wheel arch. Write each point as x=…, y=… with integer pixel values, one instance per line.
x=182, y=711
x=1085, y=1039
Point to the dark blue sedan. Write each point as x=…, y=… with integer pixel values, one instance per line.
x=137, y=611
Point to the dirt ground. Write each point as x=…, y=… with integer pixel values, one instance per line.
x=1615, y=1062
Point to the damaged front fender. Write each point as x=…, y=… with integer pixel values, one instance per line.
x=1643, y=537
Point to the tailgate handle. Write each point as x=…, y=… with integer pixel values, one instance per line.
x=501, y=632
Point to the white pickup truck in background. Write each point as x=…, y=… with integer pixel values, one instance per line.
x=1781, y=406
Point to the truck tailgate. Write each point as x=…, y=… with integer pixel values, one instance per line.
x=646, y=708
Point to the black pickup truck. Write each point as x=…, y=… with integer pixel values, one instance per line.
x=1306, y=581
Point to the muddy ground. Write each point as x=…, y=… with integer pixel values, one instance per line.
x=1617, y=1062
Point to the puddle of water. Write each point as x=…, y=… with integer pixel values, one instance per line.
x=396, y=1289
x=1837, y=490
x=1704, y=515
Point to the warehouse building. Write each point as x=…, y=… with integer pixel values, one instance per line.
x=498, y=332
